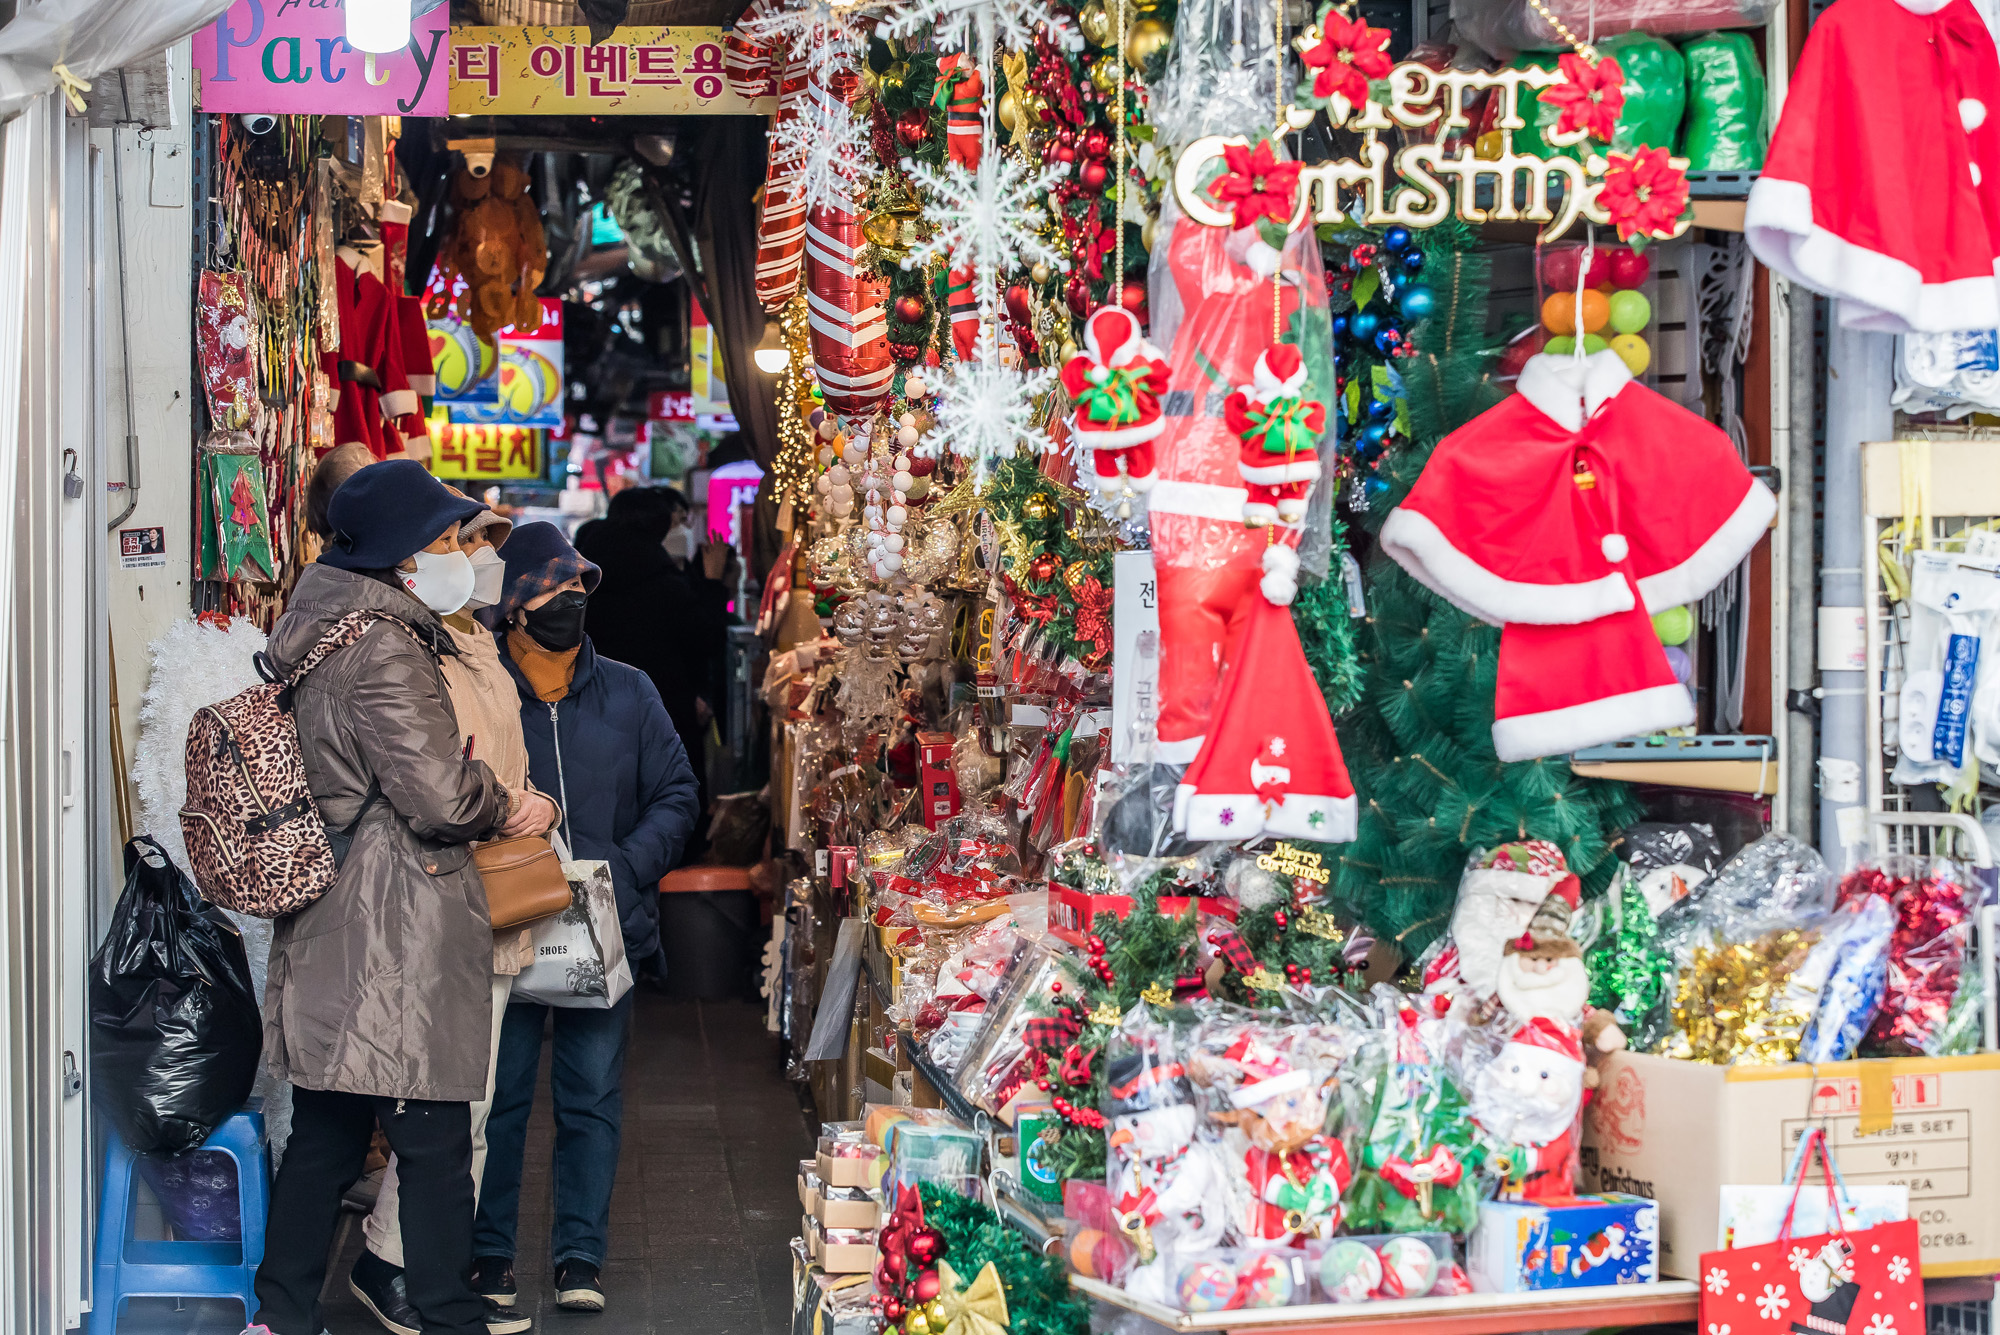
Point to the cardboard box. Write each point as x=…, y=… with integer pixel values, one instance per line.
x=1071, y=911
x=1679, y=1131
x=937, y=780
x=837, y=1258
x=865, y=1171
x=1564, y=1242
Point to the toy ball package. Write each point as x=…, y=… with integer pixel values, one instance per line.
x=1565, y=1243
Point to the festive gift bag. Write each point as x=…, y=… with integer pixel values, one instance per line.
x=1860, y=1282
x=579, y=954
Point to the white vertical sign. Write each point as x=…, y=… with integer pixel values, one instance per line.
x=1135, y=653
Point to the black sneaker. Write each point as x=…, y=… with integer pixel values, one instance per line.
x=501, y=1321
x=379, y=1286
x=493, y=1280
x=578, y=1288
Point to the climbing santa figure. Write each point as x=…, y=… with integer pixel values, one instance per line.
x=1280, y=429
x=1116, y=383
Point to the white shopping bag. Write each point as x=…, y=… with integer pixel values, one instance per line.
x=578, y=957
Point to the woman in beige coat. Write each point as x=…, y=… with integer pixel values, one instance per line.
x=379, y=1004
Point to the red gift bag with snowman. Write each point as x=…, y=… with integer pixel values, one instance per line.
x=1864, y=1282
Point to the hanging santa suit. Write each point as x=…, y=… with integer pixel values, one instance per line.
x=755, y=70
x=412, y=332
x=1567, y=515
x=1882, y=186
x=844, y=316
x=1209, y=566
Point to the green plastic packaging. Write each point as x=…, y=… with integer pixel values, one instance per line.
x=1655, y=96
x=1725, y=121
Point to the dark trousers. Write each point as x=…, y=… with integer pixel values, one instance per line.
x=328, y=1147
x=586, y=1078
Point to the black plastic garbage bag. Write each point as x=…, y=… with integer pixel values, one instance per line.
x=175, y=1035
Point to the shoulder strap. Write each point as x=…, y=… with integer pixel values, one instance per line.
x=342, y=633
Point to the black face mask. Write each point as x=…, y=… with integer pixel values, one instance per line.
x=558, y=623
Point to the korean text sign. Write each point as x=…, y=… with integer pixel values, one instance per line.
x=556, y=71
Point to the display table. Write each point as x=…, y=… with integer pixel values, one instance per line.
x=1472, y=1314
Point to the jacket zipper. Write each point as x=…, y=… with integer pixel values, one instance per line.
x=562, y=788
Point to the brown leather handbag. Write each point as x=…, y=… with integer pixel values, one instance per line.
x=524, y=880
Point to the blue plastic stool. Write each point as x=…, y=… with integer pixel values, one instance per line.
x=130, y=1268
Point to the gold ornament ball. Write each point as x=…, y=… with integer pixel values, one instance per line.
x=1146, y=46
x=1076, y=574
x=916, y=1323
x=1040, y=274
x=1009, y=111
x=935, y=1311
x=1039, y=506
x=1095, y=23
x=1148, y=230
x=1103, y=77
x=1067, y=351
x=892, y=79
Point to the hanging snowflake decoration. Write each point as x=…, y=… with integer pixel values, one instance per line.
x=831, y=147
x=1016, y=23
x=986, y=411
x=988, y=220
x=813, y=34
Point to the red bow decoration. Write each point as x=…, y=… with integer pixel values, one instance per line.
x=1414, y=1180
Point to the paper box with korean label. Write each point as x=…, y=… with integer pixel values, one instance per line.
x=1571, y=1242
x=1680, y=1131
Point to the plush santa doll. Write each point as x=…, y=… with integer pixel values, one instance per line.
x=1566, y=515
x=1116, y=383
x=1280, y=429
x=1541, y=975
x=1528, y=1097
x=1889, y=201
x=1497, y=898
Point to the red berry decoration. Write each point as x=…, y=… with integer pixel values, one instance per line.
x=913, y=126
x=1280, y=918
x=910, y=309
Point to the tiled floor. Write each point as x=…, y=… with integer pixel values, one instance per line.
x=705, y=1203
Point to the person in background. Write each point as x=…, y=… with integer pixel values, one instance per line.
x=335, y=467
x=489, y=725
x=379, y=1000
x=600, y=740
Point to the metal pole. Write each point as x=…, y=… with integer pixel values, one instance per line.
x=1800, y=561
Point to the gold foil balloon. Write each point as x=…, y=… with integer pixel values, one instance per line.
x=1146, y=44
x=1095, y=23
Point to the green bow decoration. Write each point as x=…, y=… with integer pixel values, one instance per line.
x=1281, y=426
x=980, y=1309
x=1113, y=395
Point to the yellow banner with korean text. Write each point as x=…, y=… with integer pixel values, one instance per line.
x=557, y=72
x=459, y=452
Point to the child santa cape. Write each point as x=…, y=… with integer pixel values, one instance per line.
x=1567, y=514
x=1882, y=186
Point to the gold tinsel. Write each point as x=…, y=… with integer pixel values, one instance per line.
x=1731, y=1005
x=793, y=471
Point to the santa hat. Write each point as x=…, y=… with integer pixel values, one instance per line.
x=1548, y=935
x=1280, y=373
x=1269, y=1074
x=1270, y=764
x=1551, y=1035
x=1112, y=342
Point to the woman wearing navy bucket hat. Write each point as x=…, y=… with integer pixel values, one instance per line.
x=379, y=999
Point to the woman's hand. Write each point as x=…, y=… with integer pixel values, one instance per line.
x=532, y=813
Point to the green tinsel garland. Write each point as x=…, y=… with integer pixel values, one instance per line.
x=1628, y=968
x=1039, y=1299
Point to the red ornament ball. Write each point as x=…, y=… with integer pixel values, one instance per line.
x=1076, y=295
x=907, y=353
x=1132, y=296
x=1093, y=175
x=1096, y=143
x=1629, y=268
x=1044, y=567
x=927, y=1286
x=924, y=1248
x=910, y=309
x=892, y=1311
x=1017, y=304
x=922, y=467
x=913, y=127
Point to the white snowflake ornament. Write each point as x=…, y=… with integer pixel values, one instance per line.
x=988, y=220
x=986, y=412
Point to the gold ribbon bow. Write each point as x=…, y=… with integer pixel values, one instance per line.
x=978, y=1310
x=72, y=87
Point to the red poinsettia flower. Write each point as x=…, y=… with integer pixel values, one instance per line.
x=1348, y=54
x=1257, y=185
x=1644, y=194
x=1590, y=96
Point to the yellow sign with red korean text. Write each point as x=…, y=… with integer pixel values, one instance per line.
x=557, y=72
x=459, y=452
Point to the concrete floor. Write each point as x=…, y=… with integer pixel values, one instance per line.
x=706, y=1198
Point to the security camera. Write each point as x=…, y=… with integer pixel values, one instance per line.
x=479, y=163
x=258, y=124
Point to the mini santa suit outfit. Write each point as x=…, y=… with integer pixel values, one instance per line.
x=375, y=406
x=1882, y=186
x=1208, y=565
x=1116, y=383
x=1280, y=429
x=1566, y=515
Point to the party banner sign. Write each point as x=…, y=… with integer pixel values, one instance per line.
x=291, y=57
x=556, y=71
x=484, y=451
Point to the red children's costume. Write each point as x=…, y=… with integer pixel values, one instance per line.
x=375, y=406
x=1567, y=514
x=1280, y=429
x=1882, y=186
x=1116, y=383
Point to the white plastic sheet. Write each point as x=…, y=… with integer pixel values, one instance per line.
x=88, y=38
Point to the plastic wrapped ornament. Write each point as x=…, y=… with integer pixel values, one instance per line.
x=1350, y=1271
x=884, y=625
x=1409, y=1268
x=850, y=622
x=924, y=629
x=931, y=551
x=1206, y=1286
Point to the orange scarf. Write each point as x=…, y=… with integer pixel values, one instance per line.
x=547, y=670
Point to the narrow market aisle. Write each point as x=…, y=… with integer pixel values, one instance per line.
x=707, y=1194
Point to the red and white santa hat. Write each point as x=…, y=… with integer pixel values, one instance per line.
x=1551, y=1036
x=1112, y=341
x=1268, y=1073
x=1280, y=373
x=1270, y=764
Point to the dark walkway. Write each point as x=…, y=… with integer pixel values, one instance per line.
x=706, y=1202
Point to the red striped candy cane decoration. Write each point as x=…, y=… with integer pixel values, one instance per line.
x=754, y=69
x=849, y=331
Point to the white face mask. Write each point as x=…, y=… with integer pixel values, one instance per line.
x=680, y=542
x=441, y=583
x=489, y=577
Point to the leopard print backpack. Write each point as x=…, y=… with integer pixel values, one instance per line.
x=254, y=835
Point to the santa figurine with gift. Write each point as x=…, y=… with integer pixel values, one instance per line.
x=1280, y=429
x=1290, y=1173
x=1116, y=383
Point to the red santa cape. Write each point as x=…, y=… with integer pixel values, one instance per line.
x=1567, y=514
x=1270, y=764
x=1882, y=186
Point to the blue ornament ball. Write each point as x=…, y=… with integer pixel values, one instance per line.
x=1387, y=341
x=1374, y=433
x=1381, y=410
x=1396, y=238
x=1416, y=302
x=1373, y=487
x=1340, y=326
x=1412, y=260
x=1363, y=324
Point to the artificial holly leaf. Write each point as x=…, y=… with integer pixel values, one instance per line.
x=1365, y=288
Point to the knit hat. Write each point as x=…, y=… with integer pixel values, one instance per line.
x=539, y=558
x=495, y=525
x=387, y=512
x=1135, y=1084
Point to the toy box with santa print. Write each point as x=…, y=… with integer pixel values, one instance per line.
x=1564, y=1242
x=1680, y=1131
